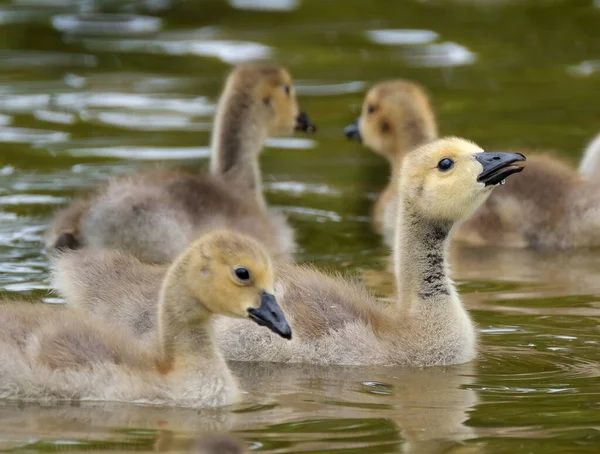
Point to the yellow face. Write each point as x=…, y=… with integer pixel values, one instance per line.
x=229, y=273
x=278, y=99
x=440, y=179
x=395, y=117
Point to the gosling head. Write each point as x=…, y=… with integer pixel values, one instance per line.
x=396, y=117
x=447, y=179
x=273, y=97
x=233, y=276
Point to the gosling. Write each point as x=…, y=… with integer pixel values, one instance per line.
x=556, y=207
x=155, y=215
x=336, y=320
x=54, y=353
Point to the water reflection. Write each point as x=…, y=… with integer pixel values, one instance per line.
x=292, y=405
x=439, y=55
x=27, y=59
x=106, y=24
x=585, y=68
x=402, y=37
x=227, y=51
x=24, y=135
x=266, y=5
x=144, y=153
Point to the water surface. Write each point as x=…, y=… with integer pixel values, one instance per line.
x=83, y=98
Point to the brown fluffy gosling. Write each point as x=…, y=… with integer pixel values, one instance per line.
x=53, y=353
x=155, y=215
x=336, y=320
x=555, y=207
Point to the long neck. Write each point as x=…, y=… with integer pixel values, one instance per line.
x=237, y=140
x=185, y=331
x=420, y=258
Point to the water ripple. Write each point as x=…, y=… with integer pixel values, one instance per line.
x=30, y=199
x=86, y=100
x=439, y=55
x=265, y=5
x=143, y=153
x=228, y=51
x=585, y=68
x=318, y=215
x=401, y=37
x=106, y=24
x=24, y=135
x=147, y=121
x=29, y=59
x=290, y=143
x=297, y=187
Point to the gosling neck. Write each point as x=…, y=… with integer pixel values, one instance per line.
x=185, y=332
x=238, y=137
x=420, y=259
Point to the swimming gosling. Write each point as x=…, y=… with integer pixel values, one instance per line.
x=555, y=207
x=55, y=353
x=155, y=215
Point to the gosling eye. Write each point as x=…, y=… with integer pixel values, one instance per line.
x=445, y=164
x=242, y=274
x=371, y=108
x=267, y=101
x=385, y=126
x=286, y=89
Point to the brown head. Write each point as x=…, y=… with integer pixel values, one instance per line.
x=449, y=178
x=396, y=117
x=268, y=91
x=232, y=275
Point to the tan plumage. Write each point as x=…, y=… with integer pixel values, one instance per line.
x=554, y=207
x=335, y=320
x=50, y=353
x=155, y=215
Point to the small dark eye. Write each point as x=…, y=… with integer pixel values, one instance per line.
x=242, y=274
x=371, y=108
x=385, y=127
x=286, y=89
x=445, y=164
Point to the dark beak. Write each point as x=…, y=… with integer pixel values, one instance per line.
x=498, y=166
x=269, y=314
x=352, y=131
x=303, y=123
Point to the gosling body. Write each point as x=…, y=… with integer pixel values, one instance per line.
x=55, y=353
x=155, y=215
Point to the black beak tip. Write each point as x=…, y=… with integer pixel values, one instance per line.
x=304, y=124
x=352, y=132
x=270, y=315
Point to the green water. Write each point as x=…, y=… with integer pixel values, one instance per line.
x=522, y=74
